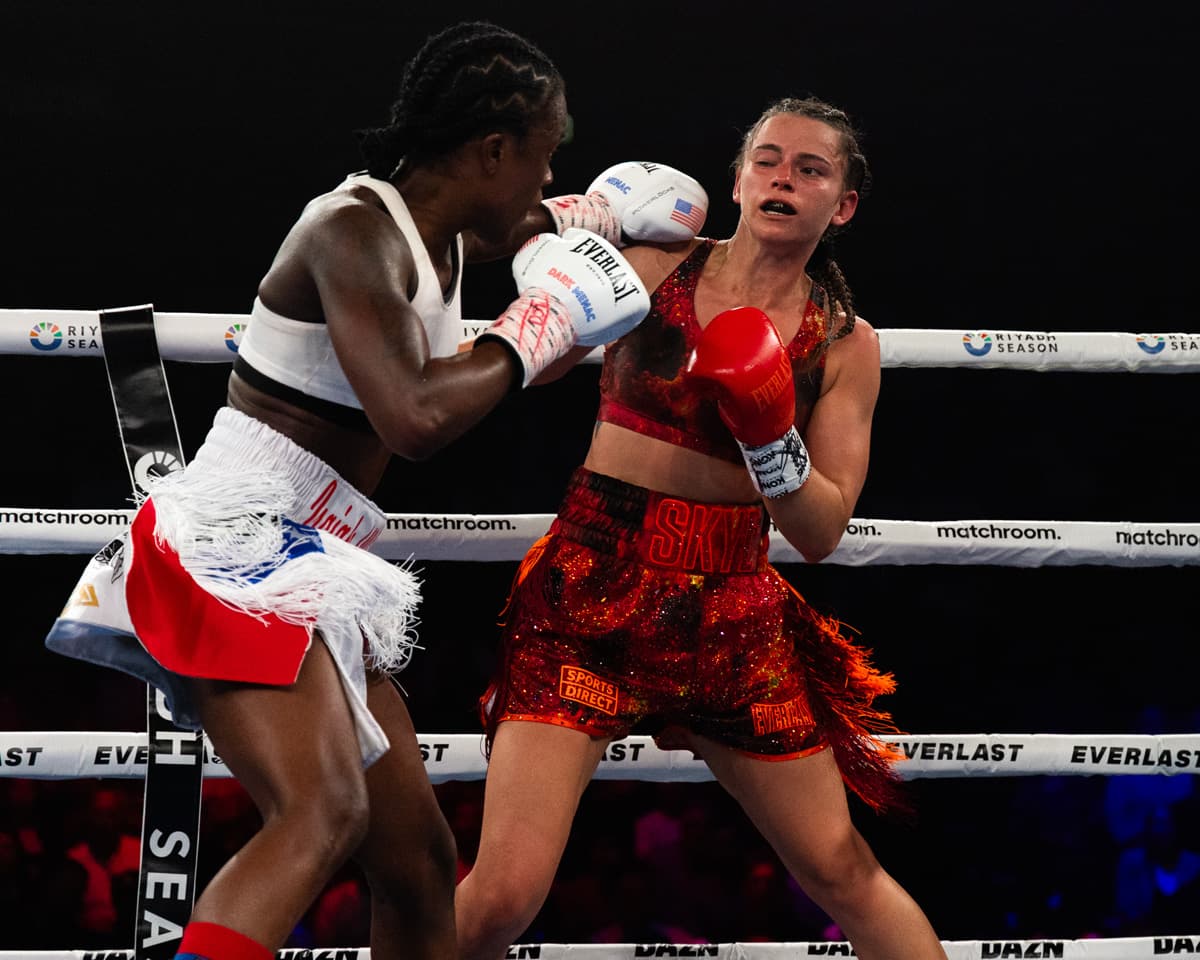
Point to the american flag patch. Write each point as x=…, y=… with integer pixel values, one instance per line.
x=689, y=214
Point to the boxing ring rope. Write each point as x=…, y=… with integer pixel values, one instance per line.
x=1014, y=543
x=118, y=755
x=214, y=338
x=1124, y=948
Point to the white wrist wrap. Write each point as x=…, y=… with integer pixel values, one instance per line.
x=591, y=212
x=538, y=328
x=780, y=466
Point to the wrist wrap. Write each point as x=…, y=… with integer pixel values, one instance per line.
x=537, y=328
x=591, y=212
x=780, y=466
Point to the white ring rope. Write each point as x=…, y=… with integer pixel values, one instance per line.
x=1116, y=948
x=68, y=755
x=458, y=536
x=215, y=336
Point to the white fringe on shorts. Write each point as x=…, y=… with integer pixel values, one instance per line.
x=223, y=516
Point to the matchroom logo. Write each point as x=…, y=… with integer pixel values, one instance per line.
x=977, y=344
x=45, y=336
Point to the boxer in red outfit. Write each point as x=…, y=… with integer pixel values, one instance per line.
x=745, y=395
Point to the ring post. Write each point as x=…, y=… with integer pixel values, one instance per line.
x=175, y=771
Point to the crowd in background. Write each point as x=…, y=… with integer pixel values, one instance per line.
x=670, y=863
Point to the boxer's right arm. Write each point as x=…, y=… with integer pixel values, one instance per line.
x=575, y=291
x=362, y=269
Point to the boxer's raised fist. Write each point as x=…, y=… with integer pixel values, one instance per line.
x=740, y=357
x=576, y=289
x=635, y=202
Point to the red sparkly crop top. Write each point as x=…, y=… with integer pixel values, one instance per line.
x=643, y=386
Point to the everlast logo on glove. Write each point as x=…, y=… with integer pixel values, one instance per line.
x=766, y=396
x=575, y=290
x=624, y=281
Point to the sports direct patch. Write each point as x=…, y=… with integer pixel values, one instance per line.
x=577, y=684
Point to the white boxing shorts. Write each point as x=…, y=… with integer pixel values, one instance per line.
x=232, y=565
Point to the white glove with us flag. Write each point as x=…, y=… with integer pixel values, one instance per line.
x=635, y=202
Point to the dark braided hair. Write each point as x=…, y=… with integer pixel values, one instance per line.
x=469, y=79
x=821, y=266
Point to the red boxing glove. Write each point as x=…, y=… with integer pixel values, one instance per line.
x=741, y=355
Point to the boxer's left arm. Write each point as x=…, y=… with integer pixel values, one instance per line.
x=813, y=519
x=635, y=202
x=810, y=485
x=477, y=250
x=629, y=203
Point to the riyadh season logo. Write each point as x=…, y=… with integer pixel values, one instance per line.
x=233, y=337
x=45, y=336
x=977, y=344
x=1151, y=343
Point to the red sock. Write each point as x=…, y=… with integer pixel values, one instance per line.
x=212, y=941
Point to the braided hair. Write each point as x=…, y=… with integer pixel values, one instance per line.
x=822, y=266
x=469, y=79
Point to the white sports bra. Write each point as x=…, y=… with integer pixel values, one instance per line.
x=295, y=360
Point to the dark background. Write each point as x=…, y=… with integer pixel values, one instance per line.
x=1033, y=171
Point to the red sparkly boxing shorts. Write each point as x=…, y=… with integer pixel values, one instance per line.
x=640, y=611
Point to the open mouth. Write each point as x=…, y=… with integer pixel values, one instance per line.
x=779, y=207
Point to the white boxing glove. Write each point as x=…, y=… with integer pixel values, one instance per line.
x=576, y=289
x=635, y=201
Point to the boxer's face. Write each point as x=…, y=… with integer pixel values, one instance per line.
x=791, y=182
x=523, y=168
